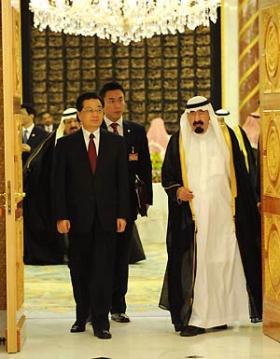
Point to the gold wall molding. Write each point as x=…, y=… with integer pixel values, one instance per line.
x=249, y=96
x=248, y=58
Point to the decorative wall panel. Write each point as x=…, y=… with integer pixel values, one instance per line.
x=270, y=163
x=271, y=28
x=272, y=255
x=3, y=291
x=159, y=74
x=271, y=154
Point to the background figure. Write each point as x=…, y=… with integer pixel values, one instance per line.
x=91, y=205
x=245, y=147
x=157, y=137
x=42, y=243
x=157, y=140
x=32, y=135
x=214, y=259
x=47, y=122
x=139, y=163
x=252, y=128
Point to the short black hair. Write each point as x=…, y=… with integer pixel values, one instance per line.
x=29, y=109
x=41, y=114
x=110, y=86
x=87, y=96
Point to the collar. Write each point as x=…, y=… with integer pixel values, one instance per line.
x=109, y=122
x=29, y=128
x=86, y=133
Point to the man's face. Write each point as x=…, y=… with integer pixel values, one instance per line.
x=114, y=104
x=26, y=120
x=199, y=121
x=71, y=125
x=91, y=115
x=47, y=119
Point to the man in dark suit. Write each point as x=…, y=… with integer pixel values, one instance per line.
x=32, y=135
x=47, y=122
x=139, y=163
x=91, y=205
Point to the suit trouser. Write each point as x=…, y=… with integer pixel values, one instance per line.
x=91, y=263
x=123, y=244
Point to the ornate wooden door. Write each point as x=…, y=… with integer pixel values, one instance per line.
x=11, y=222
x=270, y=162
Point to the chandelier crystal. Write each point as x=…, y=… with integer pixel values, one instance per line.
x=122, y=20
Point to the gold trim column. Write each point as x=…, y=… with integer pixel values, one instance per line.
x=248, y=14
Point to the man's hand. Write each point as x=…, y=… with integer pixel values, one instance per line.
x=121, y=223
x=25, y=147
x=63, y=226
x=184, y=194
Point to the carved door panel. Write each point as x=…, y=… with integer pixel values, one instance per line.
x=270, y=162
x=11, y=240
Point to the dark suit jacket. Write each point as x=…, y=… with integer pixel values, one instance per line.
x=81, y=196
x=136, y=142
x=36, y=137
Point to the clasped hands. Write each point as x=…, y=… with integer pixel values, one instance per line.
x=63, y=225
x=184, y=194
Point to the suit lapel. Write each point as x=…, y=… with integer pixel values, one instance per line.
x=32, y=136
x=102, y=148
x=81, y=150
x=128, y=136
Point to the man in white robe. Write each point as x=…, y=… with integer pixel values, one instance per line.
x=209, y=187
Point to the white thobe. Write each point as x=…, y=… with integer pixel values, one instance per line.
x=220, y=295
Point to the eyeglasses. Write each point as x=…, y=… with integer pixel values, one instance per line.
x=92, y=110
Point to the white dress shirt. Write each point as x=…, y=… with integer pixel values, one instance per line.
x=119, y=122
x=48, y=128
x=28, y=130
x=96, y=138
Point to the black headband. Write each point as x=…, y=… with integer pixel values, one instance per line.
x=70, y=114
x=255, y=116
x=206, y=102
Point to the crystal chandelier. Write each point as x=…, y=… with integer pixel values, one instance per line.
x=122, y=20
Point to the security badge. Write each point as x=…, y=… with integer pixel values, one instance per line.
x=133, y=156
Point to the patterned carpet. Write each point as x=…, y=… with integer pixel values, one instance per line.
x=48, y=291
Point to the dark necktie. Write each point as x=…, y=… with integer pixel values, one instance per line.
x=24, y=137
x=92, y=153
x=115, y=127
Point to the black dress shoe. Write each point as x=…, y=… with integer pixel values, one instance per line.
x=178, y=327
x=221, y=327
x=102, y=334
x=190, y=331
x=78, y=327
x=120, y=318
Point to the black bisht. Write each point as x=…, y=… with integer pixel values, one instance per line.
x=177, y=291
x=42, y=243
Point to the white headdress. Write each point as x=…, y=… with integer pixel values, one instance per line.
x=195, y=104
x=222, y=112
x=68, y=113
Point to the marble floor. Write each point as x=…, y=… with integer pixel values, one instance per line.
x=50, y=313
x=143, y=338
